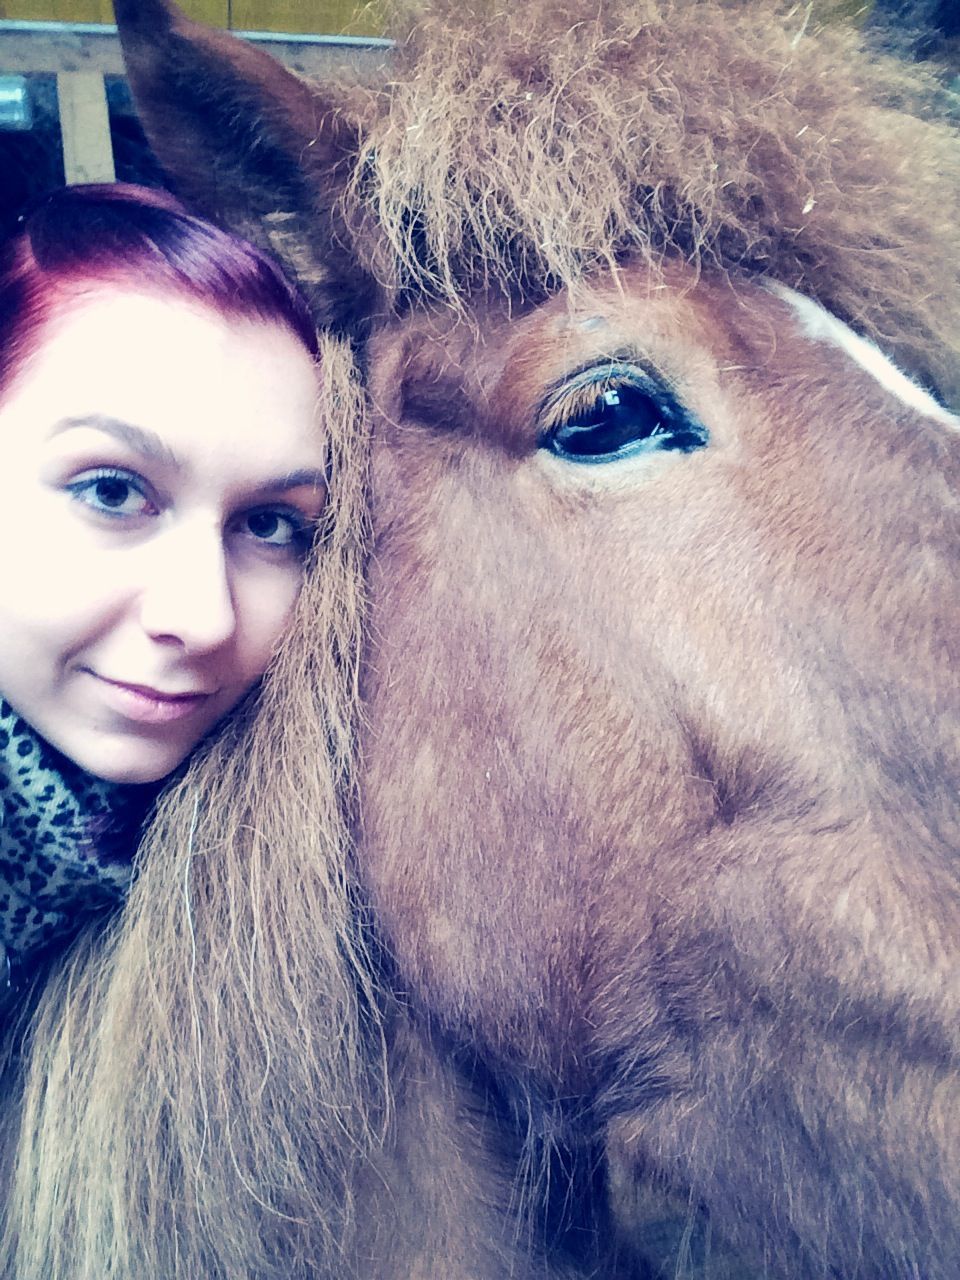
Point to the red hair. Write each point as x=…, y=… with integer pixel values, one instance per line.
x=79, y=237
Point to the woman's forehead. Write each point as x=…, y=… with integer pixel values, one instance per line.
x=186, y=374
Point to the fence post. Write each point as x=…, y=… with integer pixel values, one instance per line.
x=85, y=126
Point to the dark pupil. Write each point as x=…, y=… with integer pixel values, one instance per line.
x=264, y=524
x=625, y=416
x=112, y=492
x=621, y=416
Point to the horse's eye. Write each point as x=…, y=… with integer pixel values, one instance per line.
x=605, y=418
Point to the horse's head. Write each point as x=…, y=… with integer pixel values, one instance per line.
x=659, y=789
x=659, y=796
x=660, y=574
x=652, y=549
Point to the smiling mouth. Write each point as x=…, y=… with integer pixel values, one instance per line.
x=145, y=705
x=157, y=695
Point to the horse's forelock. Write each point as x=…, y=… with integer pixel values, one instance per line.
x=528, y=146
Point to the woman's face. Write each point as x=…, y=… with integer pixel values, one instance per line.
x=160, y=473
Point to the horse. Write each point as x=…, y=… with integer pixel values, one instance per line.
x=654, y=842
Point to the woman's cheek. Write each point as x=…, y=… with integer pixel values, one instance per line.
x=265, y=607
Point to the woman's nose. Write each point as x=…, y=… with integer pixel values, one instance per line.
x=187, y=598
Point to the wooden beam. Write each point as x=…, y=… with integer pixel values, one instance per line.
x=85, y=126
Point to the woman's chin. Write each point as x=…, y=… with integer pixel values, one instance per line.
x=132, y=775
x=124, y=760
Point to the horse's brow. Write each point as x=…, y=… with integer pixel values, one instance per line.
x=611, y=361
x=438, y=397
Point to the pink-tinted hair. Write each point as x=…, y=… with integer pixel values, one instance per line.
x=76, y=238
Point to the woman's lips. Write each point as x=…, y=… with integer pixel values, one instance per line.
x=149, y=706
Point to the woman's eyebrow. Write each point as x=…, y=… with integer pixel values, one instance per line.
x=150, y=446
x=137, y=438
x=308, y=477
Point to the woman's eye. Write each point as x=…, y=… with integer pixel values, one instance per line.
x=278, y=528
x=605, y=419
x=112, y=493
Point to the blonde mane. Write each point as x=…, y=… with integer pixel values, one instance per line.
x=199, y=1081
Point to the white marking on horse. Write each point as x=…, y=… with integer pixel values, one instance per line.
x=822, y=326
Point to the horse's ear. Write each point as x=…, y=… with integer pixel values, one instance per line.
x=249, y=144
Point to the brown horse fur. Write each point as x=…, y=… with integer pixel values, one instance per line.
x=659, y=815
x=683, y=750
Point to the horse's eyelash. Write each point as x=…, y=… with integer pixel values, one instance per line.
x=581, y=390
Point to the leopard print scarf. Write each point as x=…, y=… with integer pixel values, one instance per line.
x=66, y=844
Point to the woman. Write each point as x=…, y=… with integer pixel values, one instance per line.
x=162, y=477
